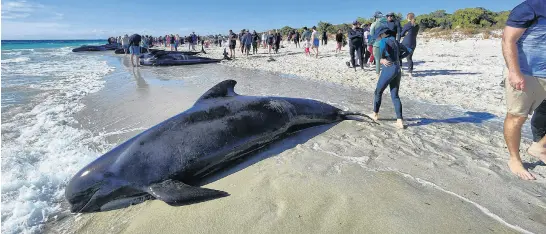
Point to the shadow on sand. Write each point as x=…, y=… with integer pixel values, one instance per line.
x=473, y=117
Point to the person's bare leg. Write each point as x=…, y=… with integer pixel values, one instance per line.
x=132, y=63
x=512, y=136
x=538, y=149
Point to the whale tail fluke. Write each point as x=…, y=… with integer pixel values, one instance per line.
x=347, y=115
x=176, y=193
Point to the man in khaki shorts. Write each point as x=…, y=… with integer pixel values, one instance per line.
x=524, y=50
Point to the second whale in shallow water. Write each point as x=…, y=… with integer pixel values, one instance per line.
x=166, y=161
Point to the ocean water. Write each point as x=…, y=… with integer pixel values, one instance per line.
x=43, y=83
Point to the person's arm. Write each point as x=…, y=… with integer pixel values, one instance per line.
x=382, y=48
x=510, y=52
x=520, y=18
x=398, y=30
x=406, y=29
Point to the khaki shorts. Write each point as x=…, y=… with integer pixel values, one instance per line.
x=523, y=103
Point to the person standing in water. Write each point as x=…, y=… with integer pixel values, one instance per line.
x=125, y=44
x=390, y=54
x=134, y=43
x=410, y=39
x=315, y=40
x=523, y=46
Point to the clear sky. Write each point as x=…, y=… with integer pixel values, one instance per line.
x=97, y=19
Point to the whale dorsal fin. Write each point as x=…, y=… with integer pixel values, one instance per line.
x=222, y=89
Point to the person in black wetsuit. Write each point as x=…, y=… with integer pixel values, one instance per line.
x=232, y=38
x=410, y=39
x=278, y=39
x=324, y=38
x=356, y=42
x=255, y=39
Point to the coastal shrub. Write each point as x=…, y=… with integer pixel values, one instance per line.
x=473, y=18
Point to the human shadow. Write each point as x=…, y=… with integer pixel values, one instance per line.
x=424, y=73
x=473, y=117
x=141, y=83
x=531, y=166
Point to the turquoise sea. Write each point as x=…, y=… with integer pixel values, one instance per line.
x=43, y=83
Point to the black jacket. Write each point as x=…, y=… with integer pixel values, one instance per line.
x=356, y=36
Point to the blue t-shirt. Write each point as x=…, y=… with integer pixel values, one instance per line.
x=531, y=15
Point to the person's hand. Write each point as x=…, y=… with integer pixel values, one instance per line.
x=516, y=79
x=385, y=62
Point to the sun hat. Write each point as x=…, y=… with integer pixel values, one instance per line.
x=378, y=14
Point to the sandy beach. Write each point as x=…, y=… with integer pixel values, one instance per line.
x=445, y=173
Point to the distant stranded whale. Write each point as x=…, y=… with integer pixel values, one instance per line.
x=166, y=161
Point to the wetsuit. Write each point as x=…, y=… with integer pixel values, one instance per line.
x=390, y=49
x=356, y=40
x=410, y=40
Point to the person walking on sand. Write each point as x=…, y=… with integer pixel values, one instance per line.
x=410, y=39
x=339, y=41
x=270, y=41
x=134, y=43
x=264, y=40
x=380, y=21
x=232, y=37
x=241, y=45
x=523, y=46
x=324, y=38
x=297, y=39
x=255, y=41
x=356, y=41
x=316, y=42
x=247, y=41
x=368, y=54
x=390, y=54
x=278, y=40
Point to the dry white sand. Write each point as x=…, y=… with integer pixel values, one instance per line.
x=438, y=176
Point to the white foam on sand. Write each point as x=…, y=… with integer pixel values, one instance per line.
x=41, y=147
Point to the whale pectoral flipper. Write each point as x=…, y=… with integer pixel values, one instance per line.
x=176, y=193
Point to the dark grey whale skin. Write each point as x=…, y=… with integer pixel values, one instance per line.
x=164, y=161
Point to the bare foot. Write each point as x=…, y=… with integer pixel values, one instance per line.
x=517, y=168
x=375, y=116
x=399, y=124
x=538, y=151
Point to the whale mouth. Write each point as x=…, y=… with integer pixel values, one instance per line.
x=81, y=207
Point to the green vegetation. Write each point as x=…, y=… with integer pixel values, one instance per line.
x=468, y=20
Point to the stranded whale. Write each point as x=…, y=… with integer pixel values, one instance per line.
x=167, y=161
